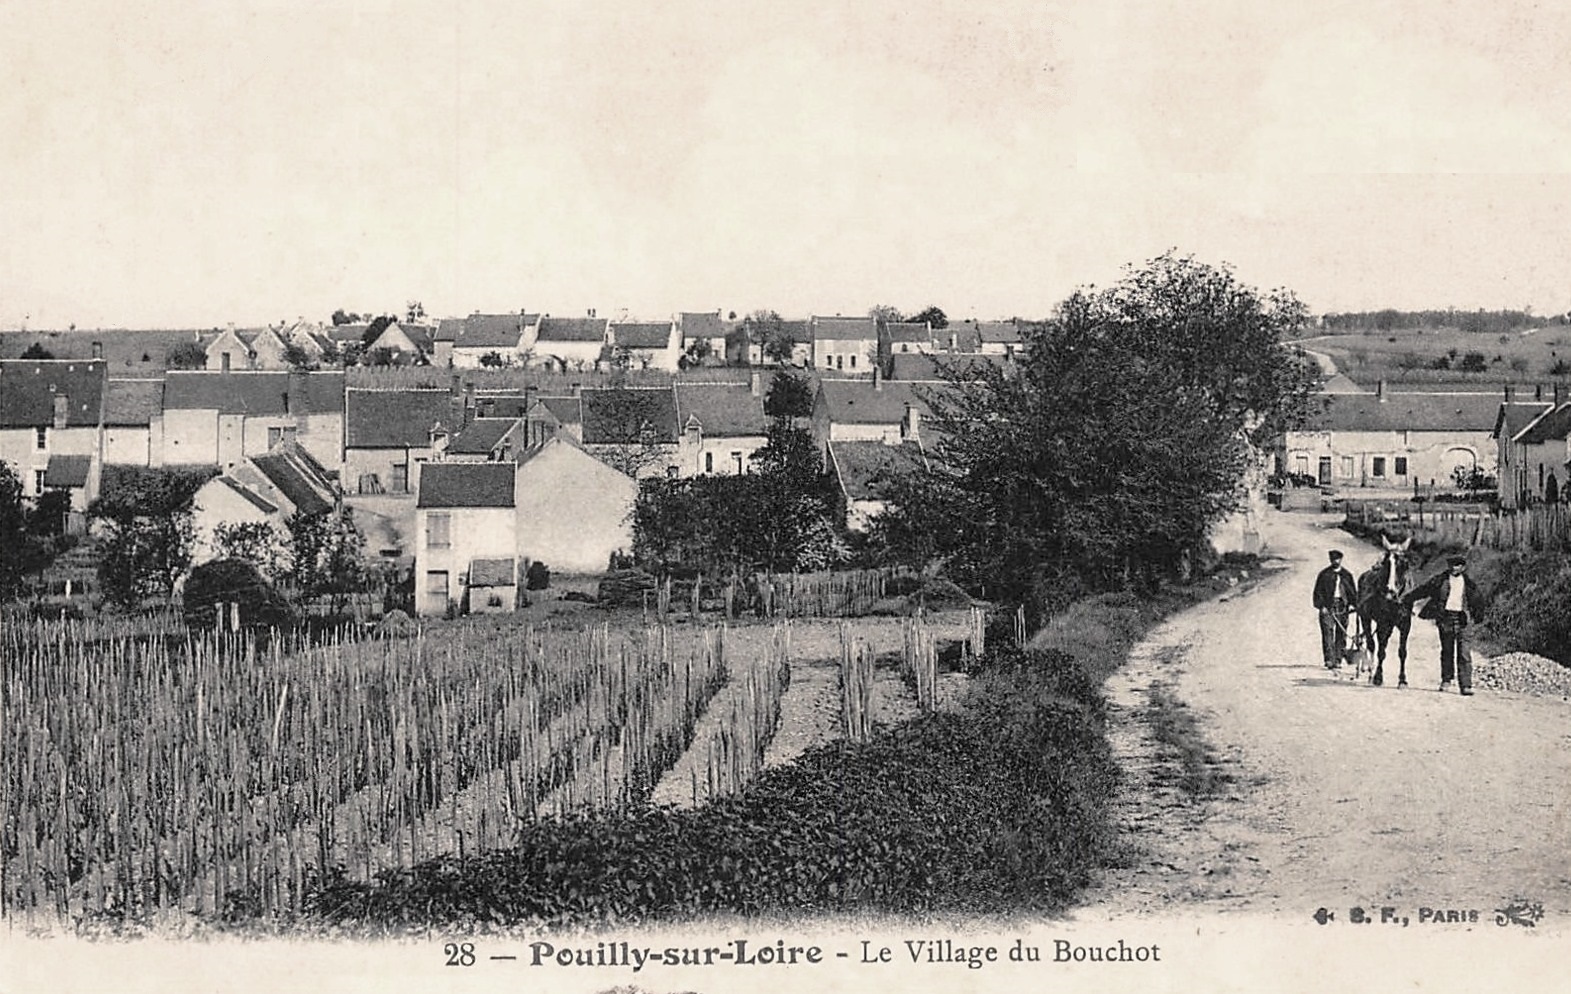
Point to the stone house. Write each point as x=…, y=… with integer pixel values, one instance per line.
x=390, y=434
x=1394, y=440
x=1543, y=454
x=566, y=344
x=134, y=423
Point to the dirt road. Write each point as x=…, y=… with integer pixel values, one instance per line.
x=1340, y=794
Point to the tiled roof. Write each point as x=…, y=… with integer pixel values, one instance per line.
x=619, y=417
x=67, y=471
x=28, y=388
x=466, y=484
x=254, y=393
x=844, y=329
x=567, y=410
x=493, y=573
x=642, y=335
x=1515, y=416
x=253, y=498
x=1408, y=412
x=706, y=325
x=481, y=437
x=298, y=476
x=967, y=337
x=498, y=405
x=396, y=419
x=133, y=402
x=910, y=331
x=723, y=410
x=419, y=336
x=490, y=331
x=866, y=468
x=448, y=329
x=127, y=351
x=572, y=330
x=863, y=402
x=998, y=332
x=916, y=366
x=1553, y=426
x=341, y=333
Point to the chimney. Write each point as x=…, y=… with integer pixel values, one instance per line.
x=878, y=378
x=1538, y=391
x=458, y=384
x=1510, y=393
x=757, y=384
x=954, y=342
x=1380, y=391
x=62, y=409
x=591, y=312
x=911, y=424
x=98, y=350
x=469, y=402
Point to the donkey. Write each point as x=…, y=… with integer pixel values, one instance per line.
x=1381, y=609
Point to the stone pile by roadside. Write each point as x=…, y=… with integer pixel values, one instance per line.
x=1523, y=673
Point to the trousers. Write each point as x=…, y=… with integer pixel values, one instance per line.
x=1333, y=633
x=1456, y=657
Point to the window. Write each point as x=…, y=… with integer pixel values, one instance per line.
x=1347, y=467
x=736, y=463
x=436, y=583
x=41, y=438
x=400, y=478
x=38, y=480
x=709, y=462
x=1379, y=467
x=840, y=362
x=438, y=530
x=853, y=362
x=1399, y=466
x=278, y=436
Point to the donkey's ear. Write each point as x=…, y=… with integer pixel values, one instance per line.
x=1386, y=542
x=1405, y=543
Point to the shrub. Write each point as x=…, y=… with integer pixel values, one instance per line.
x=233, y=581
x=537, y=576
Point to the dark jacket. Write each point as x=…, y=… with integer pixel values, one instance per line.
x=1435, y=590
x=1325, y=587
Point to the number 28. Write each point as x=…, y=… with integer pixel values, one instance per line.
x=459, y=953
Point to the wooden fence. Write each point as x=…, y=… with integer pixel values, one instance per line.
x=1546, y=526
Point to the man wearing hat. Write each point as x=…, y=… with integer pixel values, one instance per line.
x=1335, y=592
x=1454, y=602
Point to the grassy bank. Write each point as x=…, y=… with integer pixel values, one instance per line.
x=1000, y=807
x=1528, y=591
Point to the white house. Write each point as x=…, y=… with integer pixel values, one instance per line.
x=1518, y=485
x=466, y=538
x=845, y=345
x=873, y=410
x=573, y=509
x=51, y=424
x=216, y=419
x=485, y=335
x=649, y=345
x=567, y=344
x=390, y=434
x=1391, y=440
x=1544, y=447
x=269, y=488
x=134, y=423
x=864, y=472
x=722, y=424
x=258, y=349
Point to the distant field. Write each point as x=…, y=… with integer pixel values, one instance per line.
x=1407, y=358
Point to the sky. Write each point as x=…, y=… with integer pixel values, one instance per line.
x=200, y=164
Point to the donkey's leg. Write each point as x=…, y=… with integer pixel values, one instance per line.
x=1382, y=636
x=1403, y=628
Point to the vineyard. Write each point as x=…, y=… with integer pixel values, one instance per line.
x=154, y=778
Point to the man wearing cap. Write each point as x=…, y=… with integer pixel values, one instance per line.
x=1454, y=602
x=1335, y=592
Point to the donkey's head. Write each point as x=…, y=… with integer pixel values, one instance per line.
x=1393, y=565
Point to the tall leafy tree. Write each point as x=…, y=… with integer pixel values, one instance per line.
x=1123, y=435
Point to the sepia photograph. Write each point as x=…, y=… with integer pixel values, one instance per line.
x=692, y=498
